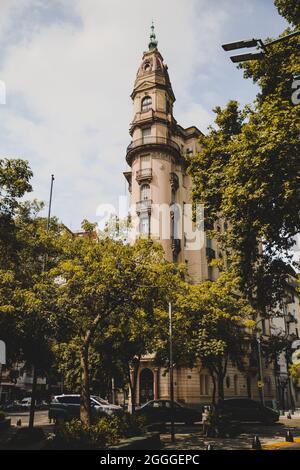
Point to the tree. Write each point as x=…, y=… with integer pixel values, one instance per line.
x=24, y=290
x=289, y=9
x=15, y=178
x=272, y=348
x=33, y=298
x=107, y=289
x=247, y=173
x=209, y=323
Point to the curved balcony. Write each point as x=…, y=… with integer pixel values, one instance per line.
x=144, y=206
x=152, y=142
x=144, y=175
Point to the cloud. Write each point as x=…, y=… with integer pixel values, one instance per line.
x=69, y=68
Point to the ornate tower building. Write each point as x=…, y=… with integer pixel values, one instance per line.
x=158, y=156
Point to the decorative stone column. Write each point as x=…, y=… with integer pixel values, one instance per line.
x=156, y=383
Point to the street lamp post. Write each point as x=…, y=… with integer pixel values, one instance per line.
x=254, y=43
x=171, y=372
x=48, y=218
x=261, y=379
x=288, y=319
x=50, y=202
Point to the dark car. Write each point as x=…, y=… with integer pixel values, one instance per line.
x=160, y=411
x=67, y=407
x=245, y=409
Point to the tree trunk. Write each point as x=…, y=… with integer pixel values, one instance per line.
x=220, y=381
x=249, y=391
x=133, y=384
x=213, y=398
x=85, y=404
x=33, y=397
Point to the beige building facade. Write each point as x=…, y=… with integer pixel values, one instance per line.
x=157, y=178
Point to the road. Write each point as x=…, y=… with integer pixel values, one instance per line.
x=40, y=418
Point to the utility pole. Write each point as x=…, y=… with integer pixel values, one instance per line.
x=34, y=370
x=50, y=203
x=113, y=391
x=48, y=218
x=171, y=373
x=261, y=379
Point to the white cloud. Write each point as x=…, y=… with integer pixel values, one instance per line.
x=69, y=70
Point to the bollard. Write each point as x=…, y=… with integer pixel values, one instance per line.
x=256, y=445
x=209, y=447
x=289, y=436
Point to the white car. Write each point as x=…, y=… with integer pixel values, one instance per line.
x=67, y=407
x=25, y=403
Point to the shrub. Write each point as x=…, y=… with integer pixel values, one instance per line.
x=104, y=433
x=2, y=415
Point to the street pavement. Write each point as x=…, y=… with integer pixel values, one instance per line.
x=191, y=437
x=40, y=418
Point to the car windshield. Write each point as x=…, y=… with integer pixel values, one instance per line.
x=100, y=400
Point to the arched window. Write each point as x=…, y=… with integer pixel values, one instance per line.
x=145, y=192
x=146, y=385
x=146, y=103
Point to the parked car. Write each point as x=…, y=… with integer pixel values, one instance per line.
x=67, y=407
x=12, y=407
x=245, y=409
x=160, y=411
x=25, y=403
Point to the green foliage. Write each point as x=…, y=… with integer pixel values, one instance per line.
x=247, y=173
x=289, y=9
x=106, y=297
x=209, y=323
x=2, y=415
x=105, y=432
x=14, y=183
x=295, y=371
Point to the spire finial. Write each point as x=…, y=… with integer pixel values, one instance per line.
x=153, y=41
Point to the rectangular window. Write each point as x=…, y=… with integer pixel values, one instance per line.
x=146, y=134
x=204, y=384
x=144, y=224
x=145, y=162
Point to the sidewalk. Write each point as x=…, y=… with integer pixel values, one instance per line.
x=271, y=437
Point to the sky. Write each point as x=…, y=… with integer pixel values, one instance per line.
x=68, y=67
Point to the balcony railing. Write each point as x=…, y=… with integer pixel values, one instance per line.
x=144, y=206
x=144, y=175
x=153, y=140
